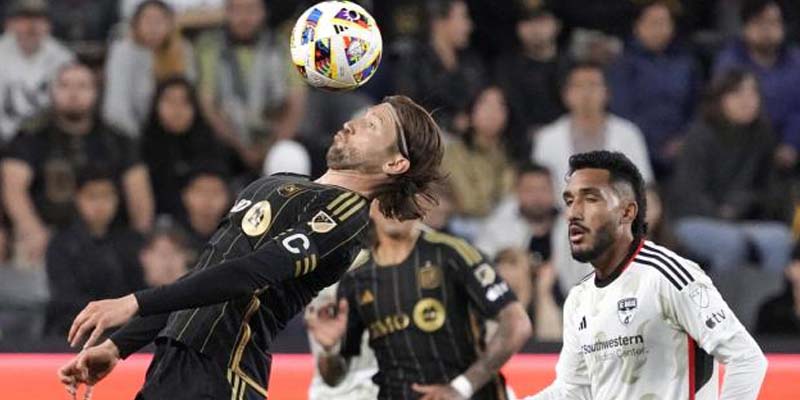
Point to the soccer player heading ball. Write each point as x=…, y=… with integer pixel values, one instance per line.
x=285, y=239
x=646, y=323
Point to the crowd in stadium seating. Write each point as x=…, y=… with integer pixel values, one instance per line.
x=127, y=127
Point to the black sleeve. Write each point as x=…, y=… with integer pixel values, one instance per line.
x=291, y=254
x=351, y=345
x=484, y=286
x=137, y=333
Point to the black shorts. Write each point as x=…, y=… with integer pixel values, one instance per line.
x=180, y=372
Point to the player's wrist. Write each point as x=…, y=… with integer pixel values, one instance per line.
x=111, y=347
x=463, y=386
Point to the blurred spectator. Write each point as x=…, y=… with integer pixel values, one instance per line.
x=609, y=16
x=525, y=219
x=174, y=139
x=659, y=226
x=654, y=84
x=81, y=23
x=191, y=14
x=166, y=255
x=90, y=260
x=781, y=315
x=23, y=298
x=247, y=90
x=39, y=169
x=153, y=50
x=438, y=216
x=206, y=198
x=443, y=74
x=478, y=169
x=533, y=283
x=586, y=127
x=30, y=60
x=587, y=45
x=529, y=77
x=726, y=190
x=287, y=156
x=762, y=49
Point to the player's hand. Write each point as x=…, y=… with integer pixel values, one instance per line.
x=89, y=367
x=98, y=316
x=437, y=392
x=327, y=324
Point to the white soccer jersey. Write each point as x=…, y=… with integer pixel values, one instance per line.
x=653, y=331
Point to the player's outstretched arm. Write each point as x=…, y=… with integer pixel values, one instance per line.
x=288, y=255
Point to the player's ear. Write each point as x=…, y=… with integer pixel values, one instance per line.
x=396, y=165
x=629, y=212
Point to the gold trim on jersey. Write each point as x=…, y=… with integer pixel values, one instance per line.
x=339, y=199
x=344, y=206
x=306, y=265
x=235, y=371
x=464, y=249
x=352, y=210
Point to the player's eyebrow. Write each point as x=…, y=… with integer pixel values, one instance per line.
x=590, y=190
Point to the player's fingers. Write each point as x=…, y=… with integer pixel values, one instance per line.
x=76, y=323
x=82, y=330
x=98, y=330
x=421, y=388
x=87, y=395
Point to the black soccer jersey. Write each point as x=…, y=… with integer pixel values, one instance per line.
x=304, y=235
x=425, y=315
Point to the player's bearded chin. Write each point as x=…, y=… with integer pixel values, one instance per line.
x=603, y=239
x=340, y=157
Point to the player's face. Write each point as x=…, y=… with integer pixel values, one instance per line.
x=74, y=93
x=765, y=32
x=365, y=143
x=390, y=227
x=594, y=213
x=654, y=28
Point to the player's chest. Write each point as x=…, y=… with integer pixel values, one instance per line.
x=622, y=316
x=397, y=298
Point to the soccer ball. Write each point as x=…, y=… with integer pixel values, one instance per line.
x=336, y=45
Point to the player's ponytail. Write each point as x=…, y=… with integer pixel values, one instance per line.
x=406, y=196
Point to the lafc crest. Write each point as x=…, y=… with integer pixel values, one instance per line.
x=257, y=219
x=322, y=223
x=429, y=276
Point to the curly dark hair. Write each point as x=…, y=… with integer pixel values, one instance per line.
x=621, y=170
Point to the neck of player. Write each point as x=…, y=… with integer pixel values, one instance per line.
x=614, y=256
x=393, y=249
x=356, y=181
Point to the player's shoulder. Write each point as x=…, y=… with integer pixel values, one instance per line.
x=452, y=245
x=666, y=266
